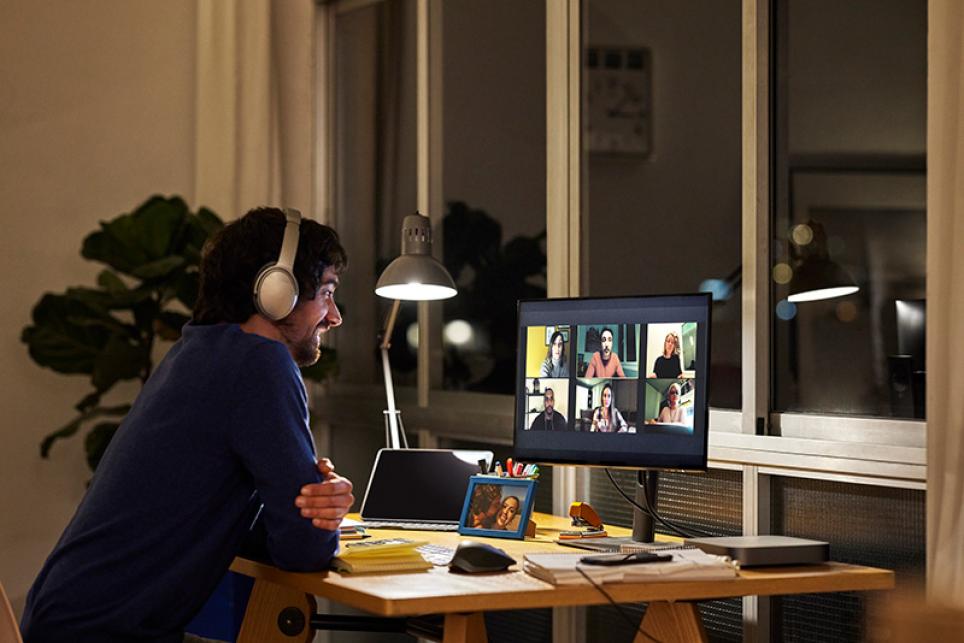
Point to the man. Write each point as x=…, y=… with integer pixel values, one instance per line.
x=212, y=456
x=604, y=362
x=550, y=420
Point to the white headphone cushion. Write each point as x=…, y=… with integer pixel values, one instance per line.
x=276, y=293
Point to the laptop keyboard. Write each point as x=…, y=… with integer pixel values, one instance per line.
x=417, y=526
x=436, y=554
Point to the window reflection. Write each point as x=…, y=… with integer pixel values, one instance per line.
x=662, y=158
x=850, y=190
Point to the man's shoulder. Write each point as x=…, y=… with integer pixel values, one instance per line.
x=233, y=348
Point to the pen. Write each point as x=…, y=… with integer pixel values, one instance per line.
x=498, y=468
x=508, y=466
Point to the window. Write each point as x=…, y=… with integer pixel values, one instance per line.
x=850, y=187
x=374, y=163
x=493, y=183
x=661, y=149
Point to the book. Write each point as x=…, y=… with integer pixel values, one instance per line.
x=687, y=564
x=382, y=555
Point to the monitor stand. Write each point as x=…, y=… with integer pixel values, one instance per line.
x=643, y=538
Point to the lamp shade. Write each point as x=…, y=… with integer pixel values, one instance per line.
x=415, y=275
x=820, y=278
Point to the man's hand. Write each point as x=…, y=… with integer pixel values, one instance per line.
x=327, y=502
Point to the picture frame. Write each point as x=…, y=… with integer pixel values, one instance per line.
x=488, y=508
x=618, y=101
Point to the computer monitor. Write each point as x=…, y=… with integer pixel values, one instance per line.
x=614, y=382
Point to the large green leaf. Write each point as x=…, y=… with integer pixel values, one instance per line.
x=57, y=342
x=130, y=241
x=71, y=427
x=109, y=281
x=169, y=325
x=158, y=268
x=210, y=222
x=119, y=360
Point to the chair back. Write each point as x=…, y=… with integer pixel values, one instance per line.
x=9, y=630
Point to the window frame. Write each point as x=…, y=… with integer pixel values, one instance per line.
x=809, y=441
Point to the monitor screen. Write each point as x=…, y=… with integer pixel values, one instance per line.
x=617, y=382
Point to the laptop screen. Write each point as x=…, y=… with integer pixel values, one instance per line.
x=420, y=484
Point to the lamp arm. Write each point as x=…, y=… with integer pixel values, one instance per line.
x=395, y=436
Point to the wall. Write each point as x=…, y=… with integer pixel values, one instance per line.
x=96, y=114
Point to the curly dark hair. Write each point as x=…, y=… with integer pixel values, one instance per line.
x=233, y=257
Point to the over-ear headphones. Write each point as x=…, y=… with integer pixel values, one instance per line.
x=275, y=287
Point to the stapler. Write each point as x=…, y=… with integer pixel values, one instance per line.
x=589, y=524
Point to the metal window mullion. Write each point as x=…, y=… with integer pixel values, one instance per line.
x=429, y=164
x=756, y=267
x=563, y=220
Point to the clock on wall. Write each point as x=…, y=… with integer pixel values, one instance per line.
x=618, y=101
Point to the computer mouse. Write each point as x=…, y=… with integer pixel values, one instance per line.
x=473, y=557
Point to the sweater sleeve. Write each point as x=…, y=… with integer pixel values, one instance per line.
x=269, y=434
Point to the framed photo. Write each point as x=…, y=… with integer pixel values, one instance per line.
x=497, y=507
x=619, y=100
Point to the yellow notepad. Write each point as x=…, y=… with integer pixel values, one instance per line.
x=383, y=555
x=366, y=564
x=380, y=547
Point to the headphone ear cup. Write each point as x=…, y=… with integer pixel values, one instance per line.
x=275, y=293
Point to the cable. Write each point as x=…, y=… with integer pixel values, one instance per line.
x=650, y=511
x=672, y=526
x=622, y=612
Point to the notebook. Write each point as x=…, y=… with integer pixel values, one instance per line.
x=419, y=488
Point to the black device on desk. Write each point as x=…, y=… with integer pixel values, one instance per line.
x=474, y=557
x=419, y=488
x=630, y=385
x=636, y=558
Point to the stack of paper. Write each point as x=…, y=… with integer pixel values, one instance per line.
x=385, y=555
x=687, y=564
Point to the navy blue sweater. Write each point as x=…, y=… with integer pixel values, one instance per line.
x=217, y=439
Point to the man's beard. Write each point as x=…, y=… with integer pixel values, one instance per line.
x=305, y=350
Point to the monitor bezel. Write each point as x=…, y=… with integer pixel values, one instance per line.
x=657, y=462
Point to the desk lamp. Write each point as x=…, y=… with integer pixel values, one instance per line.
x=413, y=276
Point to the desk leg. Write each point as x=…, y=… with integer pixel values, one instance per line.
x=273, y=607
x=464, y=628
x=671, y=623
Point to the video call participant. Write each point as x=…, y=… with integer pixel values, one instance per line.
x=606, y=418
x=668, y=365
x=672, y=413
x=549, y=420
x=604, y=362
x=211, y=457
x=556, y=364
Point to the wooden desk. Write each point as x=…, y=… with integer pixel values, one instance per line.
x=671, y=614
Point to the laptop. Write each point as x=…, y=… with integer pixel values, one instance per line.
x=419, y=488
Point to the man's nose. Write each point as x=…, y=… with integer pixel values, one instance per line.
x=334, y=315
